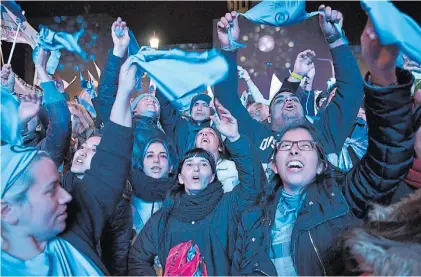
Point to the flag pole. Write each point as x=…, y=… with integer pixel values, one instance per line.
x=14, y=41
x=1, y=54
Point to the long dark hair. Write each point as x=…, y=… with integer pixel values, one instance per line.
x=139, y=153
x=323, y=181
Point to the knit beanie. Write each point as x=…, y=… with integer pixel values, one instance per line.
x=140, y=97
x=201, y=96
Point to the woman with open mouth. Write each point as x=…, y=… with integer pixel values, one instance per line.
x=194, y=232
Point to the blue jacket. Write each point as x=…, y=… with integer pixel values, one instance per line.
x=339, y=202
x=57, y=139
x=333, y=127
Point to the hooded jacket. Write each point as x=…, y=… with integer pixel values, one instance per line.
x=147, y=192
x=338, y=202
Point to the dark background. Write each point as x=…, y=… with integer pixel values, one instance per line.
x=174, y=22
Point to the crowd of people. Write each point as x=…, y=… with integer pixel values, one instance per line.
x=305, y=183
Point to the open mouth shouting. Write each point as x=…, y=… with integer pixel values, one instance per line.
x=295, y=166
x=205, y=140
x=289, y=106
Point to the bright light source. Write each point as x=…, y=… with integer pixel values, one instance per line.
x=154, y=42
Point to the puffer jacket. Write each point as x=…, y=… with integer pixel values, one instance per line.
x=182, y=130
x=329, y=209
x=116, y=235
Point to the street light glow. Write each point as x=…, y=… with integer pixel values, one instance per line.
x=154, y=41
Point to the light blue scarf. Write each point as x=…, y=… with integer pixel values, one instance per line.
x=394, y=27
x=59, y=258
x=181, y=75
x=276, y=13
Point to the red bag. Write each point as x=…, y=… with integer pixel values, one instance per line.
x=180, y=263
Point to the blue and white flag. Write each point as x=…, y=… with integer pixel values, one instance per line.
x=395, y=28
x=276, y=13
x=53, y=59
x=279, y=13
x=180, y=75
x=51, y=41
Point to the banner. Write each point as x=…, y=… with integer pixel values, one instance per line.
x=9, y=26
x=23, y=88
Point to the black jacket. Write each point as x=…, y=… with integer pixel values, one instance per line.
x=182, y=130
x=95, y=199
x=214, y=234
x=115, y=239
x=333, y=127
x=329, y=209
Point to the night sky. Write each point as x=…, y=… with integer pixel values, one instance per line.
x=189, y=21
x=178, y=21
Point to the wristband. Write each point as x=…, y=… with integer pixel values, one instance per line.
x=296, y=76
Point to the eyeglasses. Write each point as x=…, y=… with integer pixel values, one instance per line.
x=303, y=145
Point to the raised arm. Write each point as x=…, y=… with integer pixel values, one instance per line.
x=226, y=91
x=169, y=116
x=58, y=134
x=105, y=181
x=249, y=170
x=252, y=88
x=388, y=110
x=108, y=83
x=336, y=123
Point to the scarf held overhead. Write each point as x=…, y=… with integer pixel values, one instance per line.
x=180, y=75
x=276, y=13
x=402, y=31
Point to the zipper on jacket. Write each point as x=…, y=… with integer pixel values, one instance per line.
x=261, y=271
x=317, y=253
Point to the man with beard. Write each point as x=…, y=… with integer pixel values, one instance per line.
x=335, y=125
